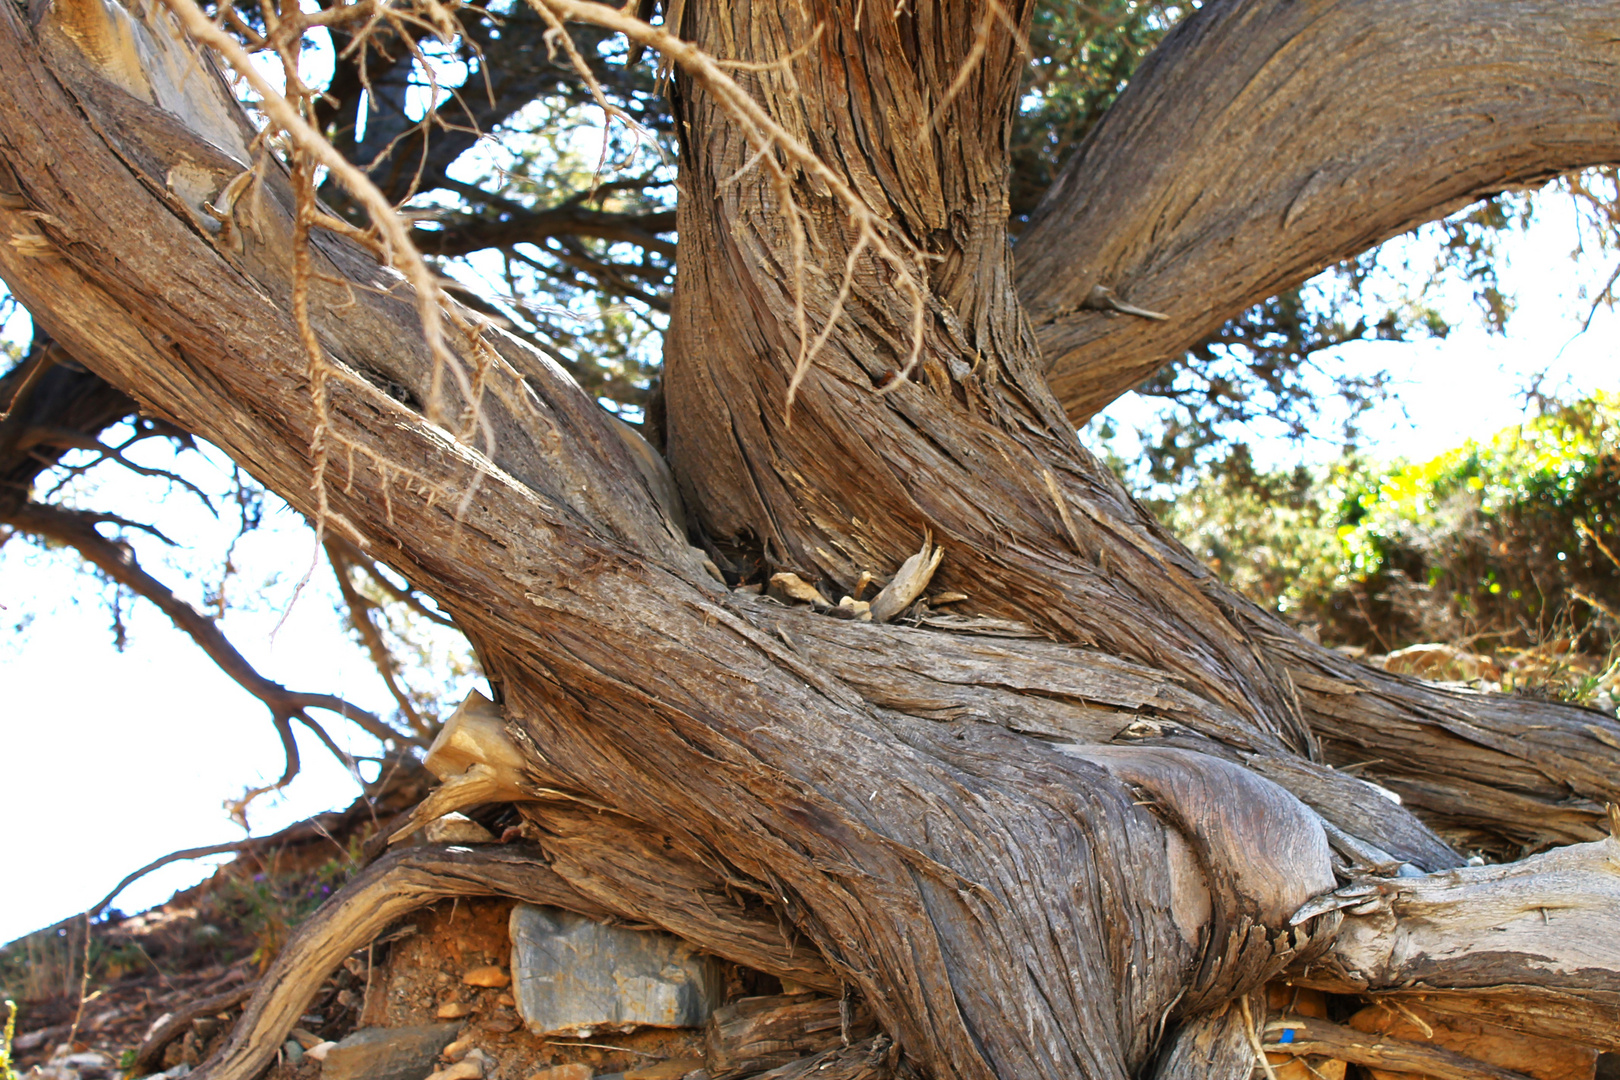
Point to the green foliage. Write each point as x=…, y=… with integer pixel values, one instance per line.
x=1507, y=532
x=1271, y=536
x=6, y=1071
x=1500, y=542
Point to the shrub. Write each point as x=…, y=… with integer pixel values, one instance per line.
x=1507, y=543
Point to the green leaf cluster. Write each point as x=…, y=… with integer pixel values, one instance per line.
x=1528, y=485
x=6, y=1070
x=1507, y=541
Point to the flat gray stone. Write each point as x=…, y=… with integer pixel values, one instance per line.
x=402, y=1053
x=573, y=976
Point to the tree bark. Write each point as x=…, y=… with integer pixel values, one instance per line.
x=1319, y=130
x=1035, y=837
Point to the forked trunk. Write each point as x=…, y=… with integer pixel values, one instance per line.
x=1054, y=832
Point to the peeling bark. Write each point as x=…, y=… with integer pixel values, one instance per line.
x=1529, y=945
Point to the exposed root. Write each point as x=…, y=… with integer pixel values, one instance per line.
x=381, y=894
x=1310, y=1036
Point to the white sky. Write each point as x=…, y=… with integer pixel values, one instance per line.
x=112, y=759
x=1469, y=384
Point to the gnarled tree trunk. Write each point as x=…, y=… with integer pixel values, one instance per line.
x=1055, y=833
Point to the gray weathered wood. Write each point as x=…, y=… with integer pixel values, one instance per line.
x=757, y=1034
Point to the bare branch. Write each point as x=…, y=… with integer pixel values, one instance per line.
x=362, y=616
x=460, y=236
x=77, y=529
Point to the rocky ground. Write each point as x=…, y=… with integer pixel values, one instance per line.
x=491, y=990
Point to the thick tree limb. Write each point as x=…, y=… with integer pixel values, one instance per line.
x=629, y=667
x=1506, y=774
x=1266, y=139
x=1533, y=945
x=1216, y=1045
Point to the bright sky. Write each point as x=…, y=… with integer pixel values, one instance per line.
x=1469, y=384
x=112, y=759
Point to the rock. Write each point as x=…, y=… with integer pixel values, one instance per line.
x=501, y=1025
x=456, y=829
x=66, y=1064
x=306, y=1040
x=454, y=1010
x=572, y=1071
x=456, y=1050
x=574, y=976
x=470, y=1069
x=489, y=976
x=88, y=1061
x=319, y=1051
x=292, y=1052
x=405, y=1053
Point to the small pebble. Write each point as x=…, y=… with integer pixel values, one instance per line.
x=489, y=976
x=572, y=1071
x=318, y=1051
x=454, y=1010
x=456, y=1050
x=470, y=1068
x=292, y=1051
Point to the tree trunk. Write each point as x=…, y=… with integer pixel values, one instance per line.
x=1054, y=833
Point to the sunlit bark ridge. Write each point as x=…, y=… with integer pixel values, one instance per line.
x=1052, y=835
